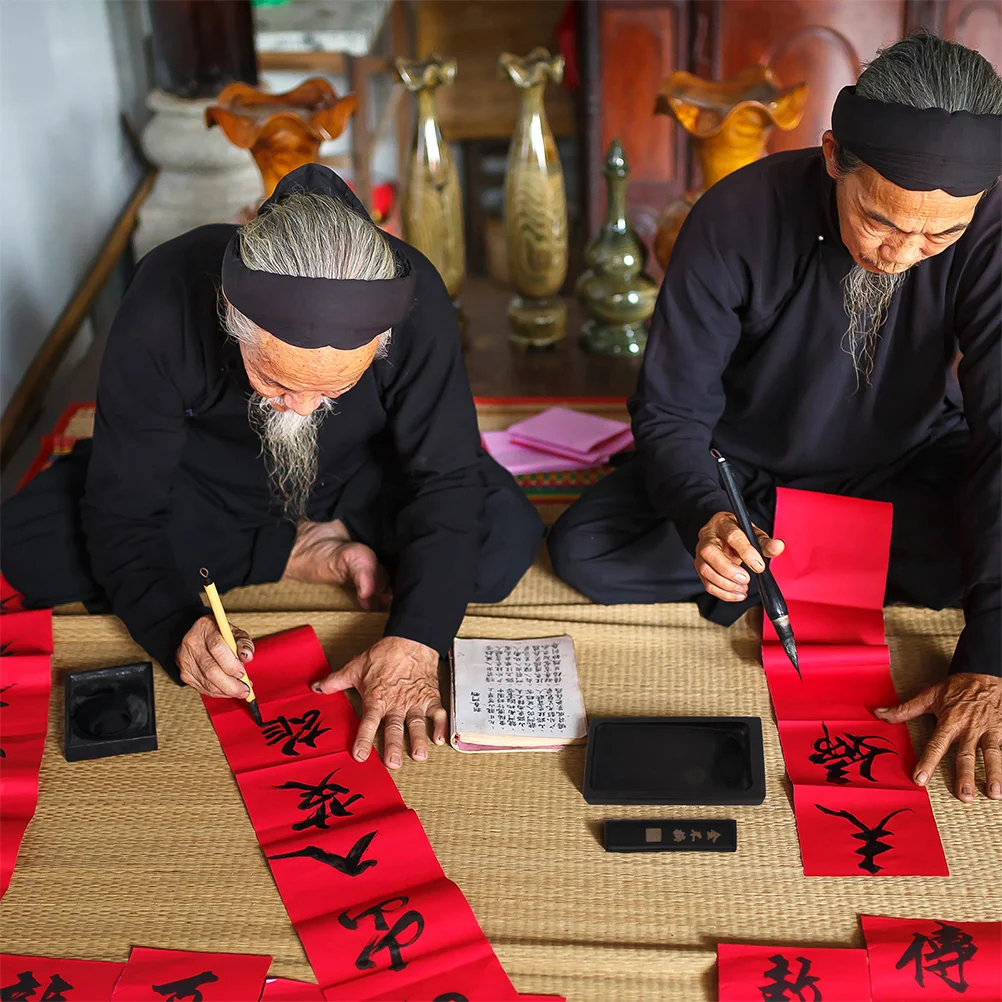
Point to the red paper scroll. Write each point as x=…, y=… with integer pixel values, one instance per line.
x=858, y=811
x=376, y=915
x=176, y=975
x=25, y=683
x=286, y=990
x=754, y=973
x=45, y=977
x=933, y=960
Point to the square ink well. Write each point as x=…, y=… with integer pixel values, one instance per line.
x=110, y=711
x=674, y=760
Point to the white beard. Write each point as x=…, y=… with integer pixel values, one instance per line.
x=867, y=298
x=289, y=445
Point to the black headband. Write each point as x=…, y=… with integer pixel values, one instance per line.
x=921, y=149
x=318, y=312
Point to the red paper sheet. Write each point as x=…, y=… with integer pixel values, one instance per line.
x=375, y=913
x=851, y=832
x=836, y=753
x=933, y=960
x=287, y=990
x=10, y=597
x=768, y=973
x=25, y=684
x=185, y=976
x=26, y=632
x=858, y=811
x=33, y=978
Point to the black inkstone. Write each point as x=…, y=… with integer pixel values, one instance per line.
x=110, y=711
x=674, y=760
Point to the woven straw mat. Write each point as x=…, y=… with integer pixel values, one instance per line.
x=157, y=849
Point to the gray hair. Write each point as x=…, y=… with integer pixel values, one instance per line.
x=309, y=235
x=923, y=71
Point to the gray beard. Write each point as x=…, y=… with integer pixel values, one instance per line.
x=867, y=297
x=289, y=445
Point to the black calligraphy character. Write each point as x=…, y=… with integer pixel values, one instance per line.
x=391, y=939
x=54, y=993
x=185, y=988
x=450, y=997
x=24, y=988
x=322, y=800
x=4, y=703
x=27, y=984
x=780, y=982
x=838, y=753
x=870, y=837
x=351, y=865
x=281, y=729
x=948, y=947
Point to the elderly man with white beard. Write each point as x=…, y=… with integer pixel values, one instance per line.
x=284, y=401
x=807, y=328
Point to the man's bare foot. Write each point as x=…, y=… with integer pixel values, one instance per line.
x=324, y=553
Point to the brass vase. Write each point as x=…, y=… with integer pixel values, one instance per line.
x=729, y=121
x=535, y=207
x=433, y=205
x=614, y=290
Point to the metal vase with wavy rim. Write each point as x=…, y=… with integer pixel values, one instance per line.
x=433, y=203
x=614, y=290
x=729, y=121
x=535, y=206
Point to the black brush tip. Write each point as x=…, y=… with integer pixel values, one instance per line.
x=255, y=712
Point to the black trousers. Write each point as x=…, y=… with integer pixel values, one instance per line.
x=43, y=551
x=613, y=547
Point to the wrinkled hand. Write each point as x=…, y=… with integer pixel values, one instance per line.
x=721, y=550
x=968, y=707
x=398, y=682
x=361, y=569
x=208, y=665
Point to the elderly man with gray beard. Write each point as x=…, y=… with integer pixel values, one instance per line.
x=807, y=328
x=286, y=401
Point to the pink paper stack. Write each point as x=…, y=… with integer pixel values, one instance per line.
x=558, y=439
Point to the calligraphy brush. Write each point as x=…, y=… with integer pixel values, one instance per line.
x=772, y=598
x=224, y=629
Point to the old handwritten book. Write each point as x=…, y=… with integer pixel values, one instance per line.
x=516, y=695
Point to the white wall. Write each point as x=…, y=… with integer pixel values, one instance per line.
x=66, y=170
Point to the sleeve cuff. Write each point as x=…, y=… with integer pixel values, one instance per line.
x=979, y=649
x=421, y=631
x=162, y=642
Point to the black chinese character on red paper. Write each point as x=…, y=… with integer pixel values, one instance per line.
x=322, y=801
x=27, y=985
x=351, y=865
x=870, y=837
x=404, y=932
x=185, y=988
x=844, y=751
x=943, y=954
x=293, y=731
x=782, y=986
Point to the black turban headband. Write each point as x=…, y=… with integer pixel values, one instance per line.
x=921, y=149
x=317, y=312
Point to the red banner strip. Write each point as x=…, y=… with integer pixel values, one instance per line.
x=375, y=913
x=287, y=990
x=858, y=811
x=912, y=959
x=24, y=977
x=754, y=973
x=25, y=684
x=173, y=975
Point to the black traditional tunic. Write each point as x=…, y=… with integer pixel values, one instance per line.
x=746, y=351
x=172, y=418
